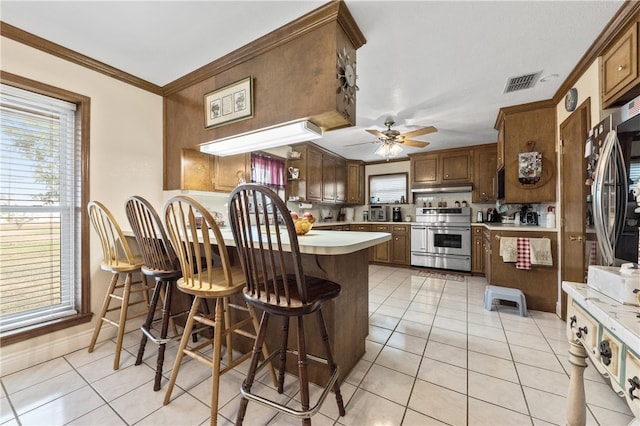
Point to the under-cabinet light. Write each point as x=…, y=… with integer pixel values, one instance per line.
x=269, y=137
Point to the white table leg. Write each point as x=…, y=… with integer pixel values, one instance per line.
x=576, y=402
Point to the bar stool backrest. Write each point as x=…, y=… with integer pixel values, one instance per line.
x=115, y=249
x=157, y=251
x=198, y=243
x=267, y=243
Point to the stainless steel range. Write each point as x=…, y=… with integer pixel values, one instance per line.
x=441, y=238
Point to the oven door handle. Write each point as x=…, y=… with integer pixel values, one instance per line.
x=450, y=228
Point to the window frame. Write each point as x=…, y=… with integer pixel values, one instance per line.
x=83, y=302
x=406, y=185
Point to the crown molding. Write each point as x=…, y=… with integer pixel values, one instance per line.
x=32, y=40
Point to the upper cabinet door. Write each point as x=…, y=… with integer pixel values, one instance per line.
x=620, y=80
x=456, y=167
x=424, y=169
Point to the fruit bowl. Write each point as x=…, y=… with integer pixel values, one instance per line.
x=303, y=225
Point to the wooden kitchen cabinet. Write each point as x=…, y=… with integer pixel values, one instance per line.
x=381, y=252
x=314, y=175
x=486, y=246
x=205, y=172
x=484, y=173
x=333, y=179
x=456, y=166
x=527, y=128
x=341, y=181
x=355, y=182
x=400, y=250
x=197, y=170
x=441, y=167
x=230, y=169
x=619, y=68
x=500, y=149
x=539, y=284
x=477, y=250
x=425, y=168
x=322, y=176
x=328, y=178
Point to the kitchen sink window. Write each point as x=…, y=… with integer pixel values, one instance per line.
x=389, y=188
x=268, y=171
x=41, y=154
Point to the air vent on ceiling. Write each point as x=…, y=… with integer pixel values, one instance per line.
x=522, y=82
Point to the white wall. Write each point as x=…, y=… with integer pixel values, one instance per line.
x=125, y=159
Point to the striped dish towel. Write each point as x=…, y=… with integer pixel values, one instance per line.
x=524, y=254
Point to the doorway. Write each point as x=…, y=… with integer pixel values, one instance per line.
x=573, y=200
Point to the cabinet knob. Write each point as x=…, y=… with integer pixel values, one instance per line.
x=575, y=237
x=621, y=67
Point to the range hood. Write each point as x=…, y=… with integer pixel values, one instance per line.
x=422, y=188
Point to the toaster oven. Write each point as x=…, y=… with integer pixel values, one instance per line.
x=378, y=213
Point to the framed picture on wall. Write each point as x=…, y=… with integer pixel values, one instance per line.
x=229, y=104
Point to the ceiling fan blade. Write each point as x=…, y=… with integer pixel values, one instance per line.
x=423, y=131
x=361, y=143
x=417, y=144
x=378, y=134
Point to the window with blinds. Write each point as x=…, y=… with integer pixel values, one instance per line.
x=389, y=188
x=40, y=204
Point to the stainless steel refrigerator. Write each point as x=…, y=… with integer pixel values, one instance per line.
x=613, y=152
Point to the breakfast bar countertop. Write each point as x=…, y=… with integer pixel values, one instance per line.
x=327, y=242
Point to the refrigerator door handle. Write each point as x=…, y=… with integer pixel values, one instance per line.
x=609, y=193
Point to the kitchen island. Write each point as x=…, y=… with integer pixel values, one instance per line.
x=341, y=257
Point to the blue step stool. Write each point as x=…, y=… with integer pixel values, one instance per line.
x=493, y=292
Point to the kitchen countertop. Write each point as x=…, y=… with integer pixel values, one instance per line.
x=494, y=226
x=320, y=242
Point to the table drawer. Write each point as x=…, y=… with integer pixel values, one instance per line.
x=611, y=353
x=632, y=381
x=581, y=324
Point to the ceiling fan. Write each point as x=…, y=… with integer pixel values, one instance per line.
x=392, y=139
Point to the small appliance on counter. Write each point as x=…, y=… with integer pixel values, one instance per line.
x=397, y=214
x=493, y=216
x=528, y=217
x=378, y=213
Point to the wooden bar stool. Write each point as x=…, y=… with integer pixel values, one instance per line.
x=207, y=274
x=161, y=264
x=118, y=259
x=267, y=243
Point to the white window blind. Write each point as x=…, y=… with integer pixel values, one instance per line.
x=388, y=188
x=39, y=209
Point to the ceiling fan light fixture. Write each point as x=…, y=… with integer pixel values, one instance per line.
x=388, y=149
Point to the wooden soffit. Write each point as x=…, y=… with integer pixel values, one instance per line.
x=330, y=12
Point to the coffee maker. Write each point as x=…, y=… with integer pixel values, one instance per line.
x=397, y=214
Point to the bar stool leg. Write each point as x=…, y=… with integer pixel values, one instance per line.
x=103, y=312
x=253, y=366
x=302, y=370
x=123, y=319
x=330, y=362
x=188, y=327
x=166, y=315
x=283, y=353
x=217, y=350
x=147, y=323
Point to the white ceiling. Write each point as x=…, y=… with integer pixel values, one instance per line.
x=440, y=63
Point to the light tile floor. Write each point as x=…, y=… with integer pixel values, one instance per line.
x=434, y=356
